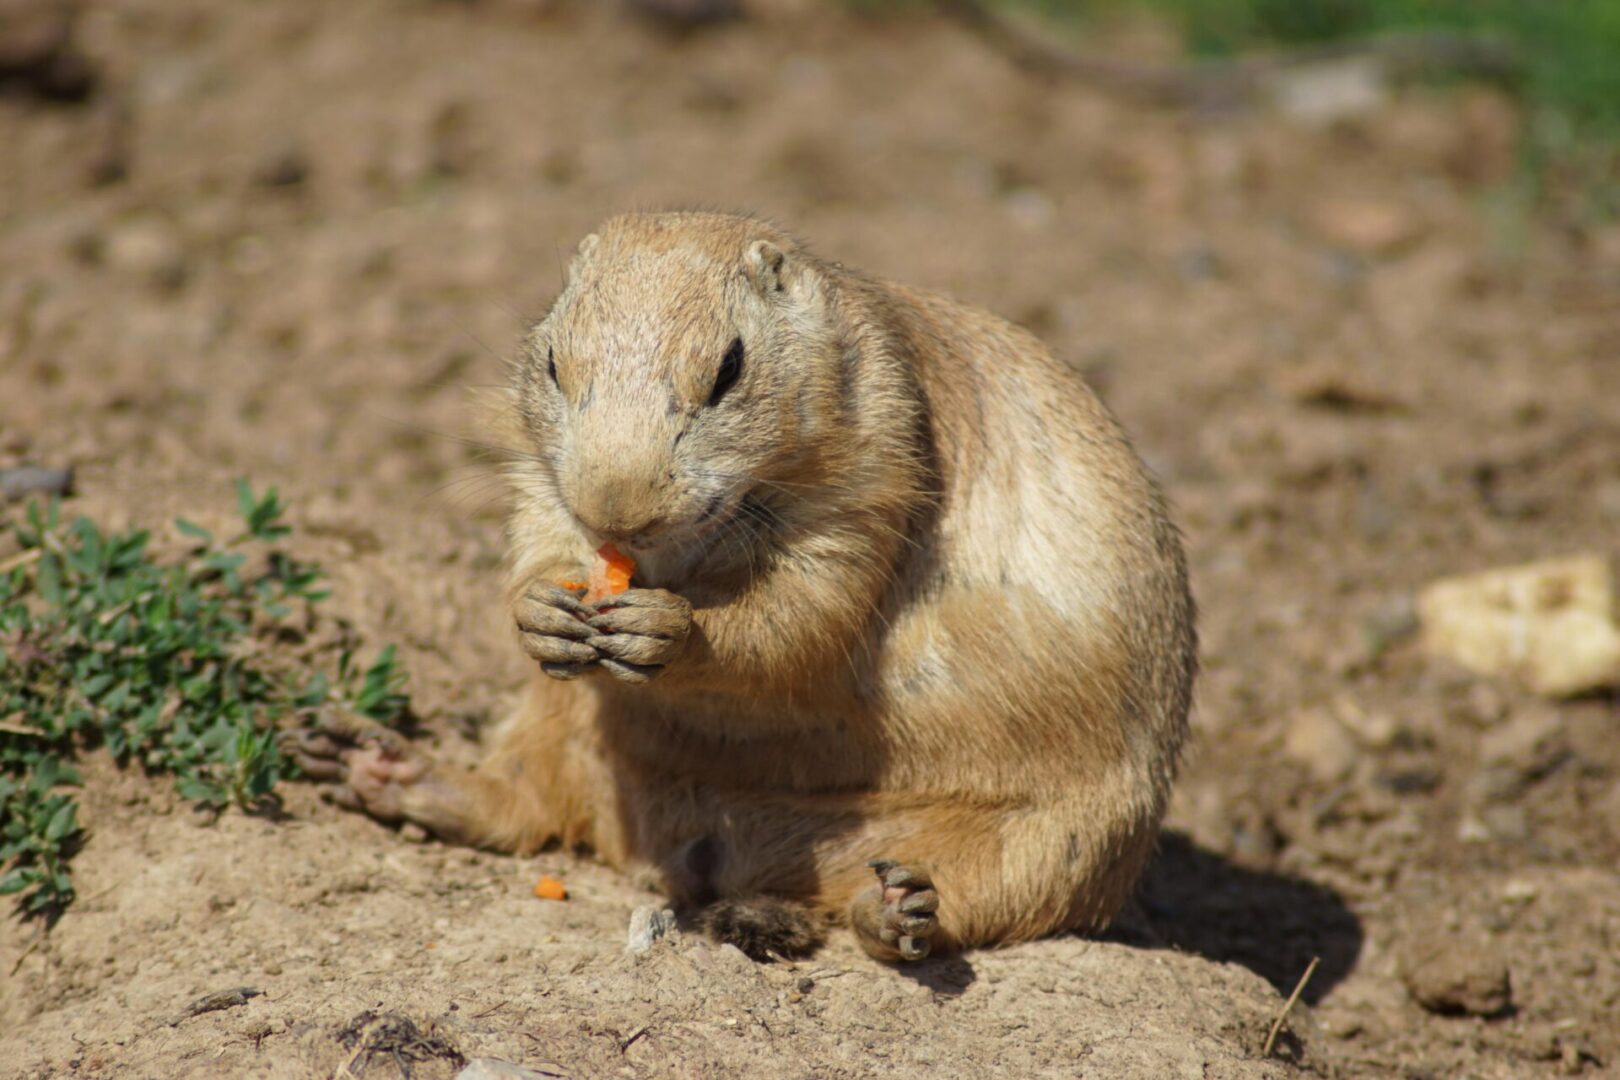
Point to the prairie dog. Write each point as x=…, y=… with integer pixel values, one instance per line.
x=910, y=645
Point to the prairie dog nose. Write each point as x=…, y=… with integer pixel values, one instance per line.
x=619, y=512
x=623, y=529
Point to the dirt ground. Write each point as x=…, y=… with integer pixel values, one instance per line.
x=282, y=240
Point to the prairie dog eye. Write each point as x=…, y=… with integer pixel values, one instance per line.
x=730, y=369
x=551, y=367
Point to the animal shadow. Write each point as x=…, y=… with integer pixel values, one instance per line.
x=1196, y=901
x=946, y=975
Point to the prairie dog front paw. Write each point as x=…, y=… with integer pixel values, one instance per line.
x=553, y=629
x=640, y=632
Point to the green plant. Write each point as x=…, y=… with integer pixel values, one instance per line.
x=165, y=663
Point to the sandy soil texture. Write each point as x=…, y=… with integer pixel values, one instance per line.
x=283, y=240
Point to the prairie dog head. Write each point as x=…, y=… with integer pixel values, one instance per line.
x=691, y=362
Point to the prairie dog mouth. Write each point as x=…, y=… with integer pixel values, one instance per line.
x=715, y=514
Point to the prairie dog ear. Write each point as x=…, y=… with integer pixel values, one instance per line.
x=765, y=266
x=582, y=255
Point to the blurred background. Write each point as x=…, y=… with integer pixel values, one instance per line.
x=1349, y=271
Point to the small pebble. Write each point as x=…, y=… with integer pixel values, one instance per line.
x=1507, y=824
x=1454, y=977
x=148, y=249
x=284, y=168
x=1317, y=741
x=1519, y=891
x=648, y=924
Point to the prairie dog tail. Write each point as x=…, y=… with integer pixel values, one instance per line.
x=764, y=926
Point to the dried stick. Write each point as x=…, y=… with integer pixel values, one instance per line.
x=1299, y=988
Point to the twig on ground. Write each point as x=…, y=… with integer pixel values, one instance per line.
x=1299, y=988
x=20, y=559
x=219, y=999
x=99, y=893
x=344, y=1071
x=32, y=945
x=828, y=973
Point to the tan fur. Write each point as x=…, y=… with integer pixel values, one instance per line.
x=964, y=640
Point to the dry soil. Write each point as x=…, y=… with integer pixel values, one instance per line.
x=282, y=240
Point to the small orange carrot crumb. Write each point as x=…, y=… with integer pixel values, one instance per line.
x=549, y=888
x=573, y=586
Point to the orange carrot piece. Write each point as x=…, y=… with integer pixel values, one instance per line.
x=549, y=888
x=611, y=574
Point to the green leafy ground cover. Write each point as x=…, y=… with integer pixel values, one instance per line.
x=167, y=663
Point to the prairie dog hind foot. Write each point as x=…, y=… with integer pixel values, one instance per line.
x=374, y=770
x=895, y=918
